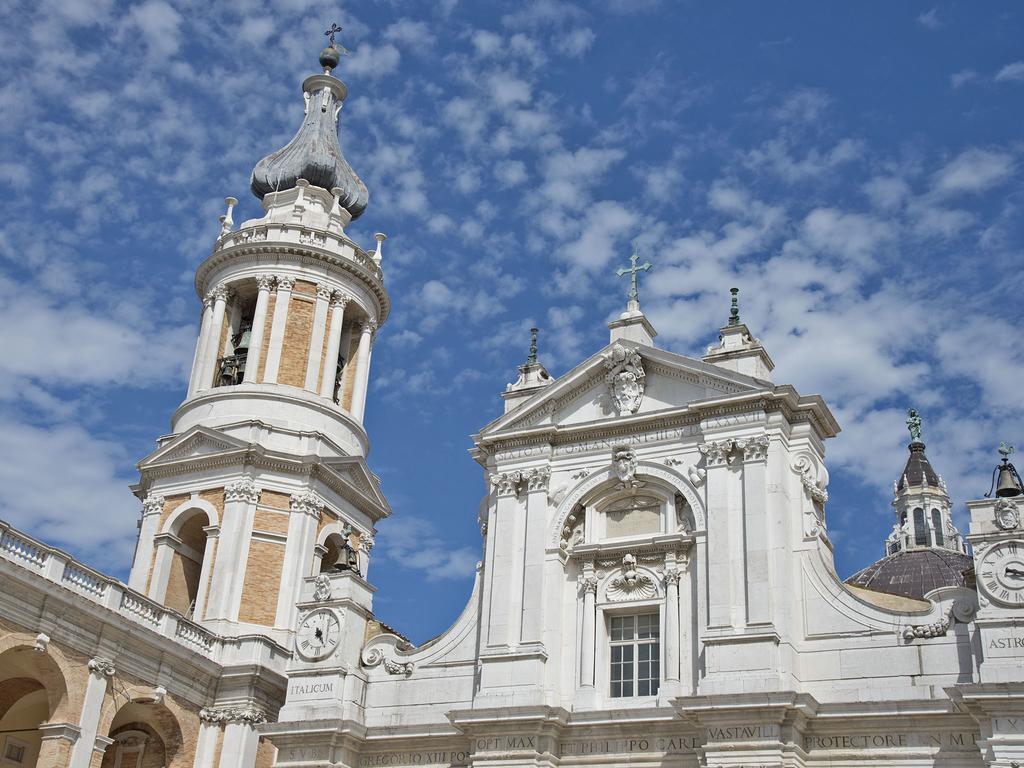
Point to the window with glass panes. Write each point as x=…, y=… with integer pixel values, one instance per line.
x=635, y=655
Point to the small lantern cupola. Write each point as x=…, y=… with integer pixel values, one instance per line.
x=533, y=376
x=737, y=349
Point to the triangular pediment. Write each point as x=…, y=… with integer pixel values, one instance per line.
x=195, y=443
x=584, y=394
x=352, y=470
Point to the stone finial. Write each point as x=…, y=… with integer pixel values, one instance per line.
x=380, y=237
x=532, y=358
x=227, y=222
x=734, y=309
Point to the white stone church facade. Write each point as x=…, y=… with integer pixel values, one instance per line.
x=656, y=584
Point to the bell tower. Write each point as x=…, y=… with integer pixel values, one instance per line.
x=263, y=481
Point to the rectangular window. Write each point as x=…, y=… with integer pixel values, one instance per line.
x=635, y=655
x=14, y=751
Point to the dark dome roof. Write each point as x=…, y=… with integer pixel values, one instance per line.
x=915, y=572
x=918, y=470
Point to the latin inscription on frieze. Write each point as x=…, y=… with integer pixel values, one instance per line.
x=867, y=741
x=1003, y=644
x=315, y=688
x=426, y=757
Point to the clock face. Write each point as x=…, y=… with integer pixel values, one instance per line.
x=318, y=634
x=1002, y=573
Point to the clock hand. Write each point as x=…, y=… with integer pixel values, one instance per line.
x=320, y=635
x=1014, y=572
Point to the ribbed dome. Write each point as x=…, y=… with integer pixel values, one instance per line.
x=314, y=154
x=918, y=470
x=914, y=573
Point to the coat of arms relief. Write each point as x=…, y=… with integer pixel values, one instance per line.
x=625, y=378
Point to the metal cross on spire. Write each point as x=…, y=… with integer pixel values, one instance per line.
x=335, y=29
x=633, y=271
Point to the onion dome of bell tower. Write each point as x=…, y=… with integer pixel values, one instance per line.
x=314, y=153
x=925, y=551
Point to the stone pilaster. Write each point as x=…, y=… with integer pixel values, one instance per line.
x=277, y=328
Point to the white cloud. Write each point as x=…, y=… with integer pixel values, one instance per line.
x=776, y=155
x=930, y=19
x=604, y=226
x=974, y=170
x=577, y=42
x=417, y=36
x=256, y=30
x=804, y=105
x=510, y=173
x=373, y=61
x=160, y=25
x=486, y=43
x=413, y=543
x=962, y=78
x=1011, y=72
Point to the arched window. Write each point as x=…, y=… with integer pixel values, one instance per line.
x=187, y=565
x=940, y=540
x=920, y=528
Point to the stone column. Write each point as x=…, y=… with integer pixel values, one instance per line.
x=329, y=379
x=721, y=601
x=163, y=547
x=240, y=499
x=316, y=339
x=148, y=527
x=757, y=532
x=362, y=370
x=211, y=347
x=201, y=342
x=501, y=530
x=298, y=550
x=100, y=671
x=277, y=327
x=535, y=523
x=259, y=323
x=672, y=634
x=588, y=639
x=241, y=740
x=206, y=743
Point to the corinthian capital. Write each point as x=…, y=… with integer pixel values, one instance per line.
x=153, y=504
x=242, y=490
x=324, y=292
x=672, y=577
x=716, y=453
x=754, y=448
x=221, y=292
x=340, y=300
x=285, y=283
x=507, y=483
x=589, y=584
x=537, y=478
x=264, y=282
x=307, y=502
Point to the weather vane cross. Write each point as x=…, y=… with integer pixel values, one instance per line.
x=633, y=271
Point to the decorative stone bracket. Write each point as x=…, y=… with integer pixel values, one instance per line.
x=962, y=611
x=380, y=652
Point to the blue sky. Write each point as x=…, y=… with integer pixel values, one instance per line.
x=854, y=169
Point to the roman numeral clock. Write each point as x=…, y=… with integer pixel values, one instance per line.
x=318, y=634
x=1001, y=573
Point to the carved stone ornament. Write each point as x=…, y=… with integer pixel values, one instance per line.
x=264, y=282
x=307, y=502
x=153, y=504
x=373, y=657
x=226, y=715
x=624, y=464
x=631, y=584
x=962, y=611
x=42, y=643
x=697, y=475
x=537, y=478
x=322, y=588
x=506, y=483
x=366, y=542
x=588, y=584
x=625, y=378
x=754, y=448
x=101, y=667
x=809, y=477
x=672, y=577
x=718, y=452
x=242, y=490
x=574, y=530
x=1007, y=516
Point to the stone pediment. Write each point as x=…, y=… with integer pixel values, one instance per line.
x=633, y=380
x=195, y=443
x=353, y=472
